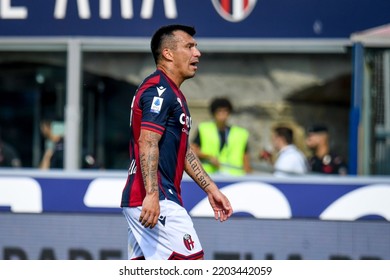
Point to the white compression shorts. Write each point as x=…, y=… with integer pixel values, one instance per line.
x=173, y=238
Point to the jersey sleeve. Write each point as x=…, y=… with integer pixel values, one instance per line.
x=155, y=110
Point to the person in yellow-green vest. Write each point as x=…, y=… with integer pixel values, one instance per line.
x=222, y=148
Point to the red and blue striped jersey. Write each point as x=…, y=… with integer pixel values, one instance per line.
x=161, y=107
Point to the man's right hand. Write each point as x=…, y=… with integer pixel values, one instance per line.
x=150, y=210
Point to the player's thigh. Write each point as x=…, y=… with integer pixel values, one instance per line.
x=174, y=236
x=180, y=231
x=133, y=249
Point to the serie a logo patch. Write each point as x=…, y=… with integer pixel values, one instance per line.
x=156, y=105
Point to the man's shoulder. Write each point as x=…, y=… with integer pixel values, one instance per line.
x=293, y=151
x=240, y=129
x=206, y=124
x=156, y=85
x=152, y=78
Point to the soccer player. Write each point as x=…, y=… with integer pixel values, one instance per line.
x=159, y=227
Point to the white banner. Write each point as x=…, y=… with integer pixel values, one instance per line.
x=48, y=270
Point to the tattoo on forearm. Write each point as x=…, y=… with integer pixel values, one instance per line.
x=149, y=162
x=196, y=171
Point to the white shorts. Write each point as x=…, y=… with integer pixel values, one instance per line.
x=173, y=238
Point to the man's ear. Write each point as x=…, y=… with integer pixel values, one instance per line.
x=167, y=54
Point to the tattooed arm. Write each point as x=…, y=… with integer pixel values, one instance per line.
x=149, y=155
x=218, y=201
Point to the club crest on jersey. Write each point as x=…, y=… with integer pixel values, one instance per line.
x=188, y=242
x=156, y=105
x=234, y=10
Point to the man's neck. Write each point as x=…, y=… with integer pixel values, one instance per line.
x=221, y=127
x=322, y=151
x=170, y=74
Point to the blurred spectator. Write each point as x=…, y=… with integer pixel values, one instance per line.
x=221, y=147
x=8, y=155
x=53, y=157
x=290, y=160
x=323, y=160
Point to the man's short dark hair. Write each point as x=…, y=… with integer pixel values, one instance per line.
x=220, y=102
x=162, y=33
x=318, y=128
x=285, y=132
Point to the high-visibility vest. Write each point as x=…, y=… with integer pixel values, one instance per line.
x=231, y=156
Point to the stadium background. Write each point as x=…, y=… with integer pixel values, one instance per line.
x=278, y=62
